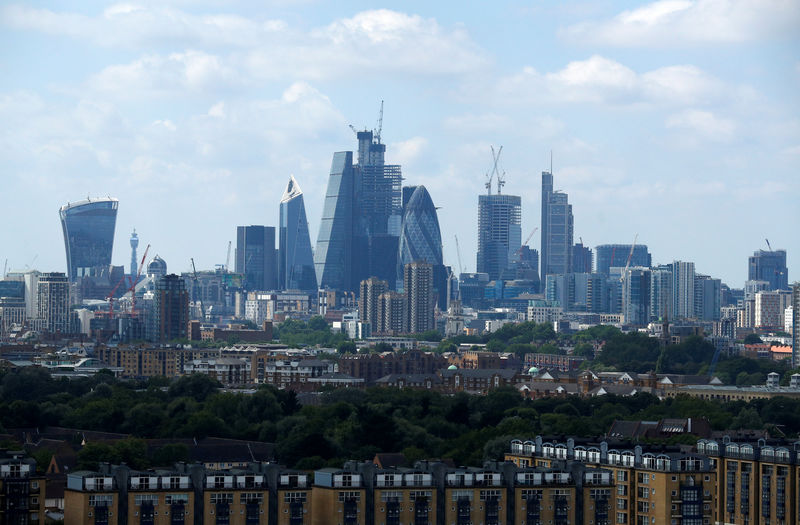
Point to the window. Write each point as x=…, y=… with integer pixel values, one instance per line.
x=349, y=495
x=294, y=497
x=251, y=497
x=140, y=499
x=169, y=499
x=221, y=497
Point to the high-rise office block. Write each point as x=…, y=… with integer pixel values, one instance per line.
x=418, y=287
x=769, y=266
x=256, y=258
x=796, y=324
x=369, y=292
x=616, y=256
x=134, y=245
x=361, y=218
x=661, y=299
x=581, y=258
x=707, y=298
x=392, y=313
x=683, y=290
x=557, y=229
x=636, y=296
x=333, y=259
x=296, y=259
x=421, y=240
x=499, y=232
x=88, y=228
x=170, y=309
x=53, y=303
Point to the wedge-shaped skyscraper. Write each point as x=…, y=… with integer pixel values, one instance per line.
x=333, y=258
x=88, y=235
x=296, y=259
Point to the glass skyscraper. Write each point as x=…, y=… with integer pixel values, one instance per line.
x=499, y=232
x=769, y=266
x=616, y=256
x=88, y=228
x=256, y=258
x=557, y=229
x=296, y=259
x=361, y=218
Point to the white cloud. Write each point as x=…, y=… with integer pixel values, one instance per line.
x=407, y=151
x=703, y=123
x=604, y=81
x=671, y=22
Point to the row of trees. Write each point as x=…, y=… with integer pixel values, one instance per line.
x=346, y=424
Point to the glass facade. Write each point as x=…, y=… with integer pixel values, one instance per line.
x=256, y=258
x=88, y=235
x=333, y=257
x=420, y=238
x=499, y=232
x=296, y=258
x=770, y=267
x=616, y=256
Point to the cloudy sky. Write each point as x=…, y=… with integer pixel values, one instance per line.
x=678, y=120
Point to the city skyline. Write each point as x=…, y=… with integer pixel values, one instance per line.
x=179, y=124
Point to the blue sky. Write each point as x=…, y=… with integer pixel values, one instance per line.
x=677, y=120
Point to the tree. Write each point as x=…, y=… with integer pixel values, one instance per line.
x=347, y=347
x=752, y=339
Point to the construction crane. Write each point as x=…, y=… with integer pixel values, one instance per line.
x=379, y=126
x=228, y=259
x=5, y=267
x=527, y=240
x=768, y=246
x=132, y=289
x=630, y=256
x=110, y=297
x=458, y=252
x=199, y=298
x=496, y=159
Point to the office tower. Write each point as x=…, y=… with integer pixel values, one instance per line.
x=134, y=245
x=170, y=309
x=499, y=232
x=256, y=258
x=769, y=266
x=661, y=299
x=636, y=296
x=683, y=290
x=707, y=297
x=418, y=287
x=369, y=292
x=12, y=304
x=796, y=324
x=581, y=258
x=296, y=259
x=157, y=268
x=616, y=256
x=421, y=240
x=53, y=303
x=392, y=312
x=471, y=287
x=557, y=229
x=88, y=228
x=361, y=218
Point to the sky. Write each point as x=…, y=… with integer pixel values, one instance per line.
x=677, y=120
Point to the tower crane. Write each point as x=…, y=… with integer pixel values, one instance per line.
x=768, y=246
x=458, y=252
x=199, y=298
x=379, y=126
x=630, y=255
x=500, y=180
x=132, y=289
x=527, y=240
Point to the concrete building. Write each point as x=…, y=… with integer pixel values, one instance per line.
x=609, y=256
x=392, y=313
x=53, y=303
x=369, y=292
x=418, y=288
x=499, y=232
x=170, y=309
x=796, y=324
x=683, y=282
x=770, y=307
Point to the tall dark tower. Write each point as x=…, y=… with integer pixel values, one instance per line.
x=557, y=229
x=134, y=245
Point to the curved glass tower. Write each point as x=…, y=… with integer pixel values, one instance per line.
x=88, y=235
x=296, y=259
x=420, y=237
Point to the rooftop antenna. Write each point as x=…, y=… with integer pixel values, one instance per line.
x=380, y=125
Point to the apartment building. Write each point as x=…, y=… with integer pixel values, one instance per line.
x=22, y=492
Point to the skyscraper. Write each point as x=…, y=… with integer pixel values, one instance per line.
x=796, y=324
x=361, y=217
x=392, y=313
x=418, y=287
x=616, y=256
x=557, y=229
x=683, y=290
x=170, y=309
x=769, y=266
x=53, y=303
x=134, y=245
x=636, y=296
x=581, y=258
x=421, y=239
x=296, y=258
x=707, y=297
x=661, y=300
x=499, y=232
x=369, y=293
x=88, y=228
x=256, y=258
